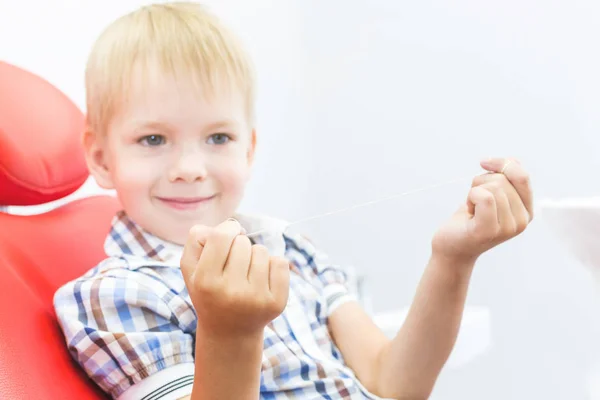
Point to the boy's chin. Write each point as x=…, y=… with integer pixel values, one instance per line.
x=174, y=227
x=180, y=234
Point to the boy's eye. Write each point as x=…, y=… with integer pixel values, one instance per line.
x=152, y=140
x=218, y=138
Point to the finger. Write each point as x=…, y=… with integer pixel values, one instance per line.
x=517, y=208
x=497, y=164
x=279, y=279
x=516, y=175
x=482, y=206
x=519, y=178
x=192, y=250
x=482, y=179
x=258, y=275
x=238, y=262
x=504, y=214
x=217, y=245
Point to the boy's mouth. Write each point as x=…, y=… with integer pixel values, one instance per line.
x=185, y=203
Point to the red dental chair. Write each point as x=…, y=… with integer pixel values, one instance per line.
x=40, y=161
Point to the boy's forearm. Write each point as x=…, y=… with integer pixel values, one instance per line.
x=227, y=367
x=411, y=363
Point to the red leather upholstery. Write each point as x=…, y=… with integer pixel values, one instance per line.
x=39, y=253
x=41, y=157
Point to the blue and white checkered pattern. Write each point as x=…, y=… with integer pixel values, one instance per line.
x=131, y=317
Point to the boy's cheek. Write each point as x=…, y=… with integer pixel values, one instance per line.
x=132, y=175
x=235, y=179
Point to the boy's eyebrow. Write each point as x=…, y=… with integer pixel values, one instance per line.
x=225, y=123
x=153, y=125
x=159, y=125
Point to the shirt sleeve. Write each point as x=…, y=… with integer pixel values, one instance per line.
x=315, y=265
x=130, y=333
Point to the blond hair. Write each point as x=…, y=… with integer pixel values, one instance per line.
x=182, y=39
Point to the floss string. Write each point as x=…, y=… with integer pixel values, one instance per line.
x=368, y=203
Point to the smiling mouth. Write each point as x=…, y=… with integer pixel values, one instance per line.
x=185, y=203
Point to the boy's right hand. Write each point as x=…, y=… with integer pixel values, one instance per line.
x=236, y=287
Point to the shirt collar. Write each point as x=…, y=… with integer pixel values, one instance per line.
x=128, y=239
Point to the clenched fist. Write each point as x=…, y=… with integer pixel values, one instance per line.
x=237, y=288
x=499, y=207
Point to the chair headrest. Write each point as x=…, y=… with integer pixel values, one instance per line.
x=41, y=156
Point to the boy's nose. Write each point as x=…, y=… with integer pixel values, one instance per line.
x=188, y=168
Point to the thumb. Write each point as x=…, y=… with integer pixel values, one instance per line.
x=497, y=165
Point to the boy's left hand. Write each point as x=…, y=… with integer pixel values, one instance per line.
x=499, y=207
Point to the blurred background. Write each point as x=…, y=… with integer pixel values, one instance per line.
x=363, y=99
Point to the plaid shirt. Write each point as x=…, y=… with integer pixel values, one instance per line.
x=130, y=324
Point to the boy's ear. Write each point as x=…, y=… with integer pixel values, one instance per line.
x=95, y=157
x=252, y=147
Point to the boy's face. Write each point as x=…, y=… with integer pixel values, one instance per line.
x=174, y=157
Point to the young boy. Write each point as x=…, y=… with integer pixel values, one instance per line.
x=186, y=305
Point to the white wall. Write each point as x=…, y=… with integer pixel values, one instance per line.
x=363, y=99
x=417, y=93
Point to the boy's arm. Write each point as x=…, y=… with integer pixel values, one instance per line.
x=404, y=368
x=237, y=288
x=498, y=208
x=227, y=367
x=408, y=366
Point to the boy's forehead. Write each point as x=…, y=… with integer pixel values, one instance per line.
x=163, y=96
x=181, y=85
